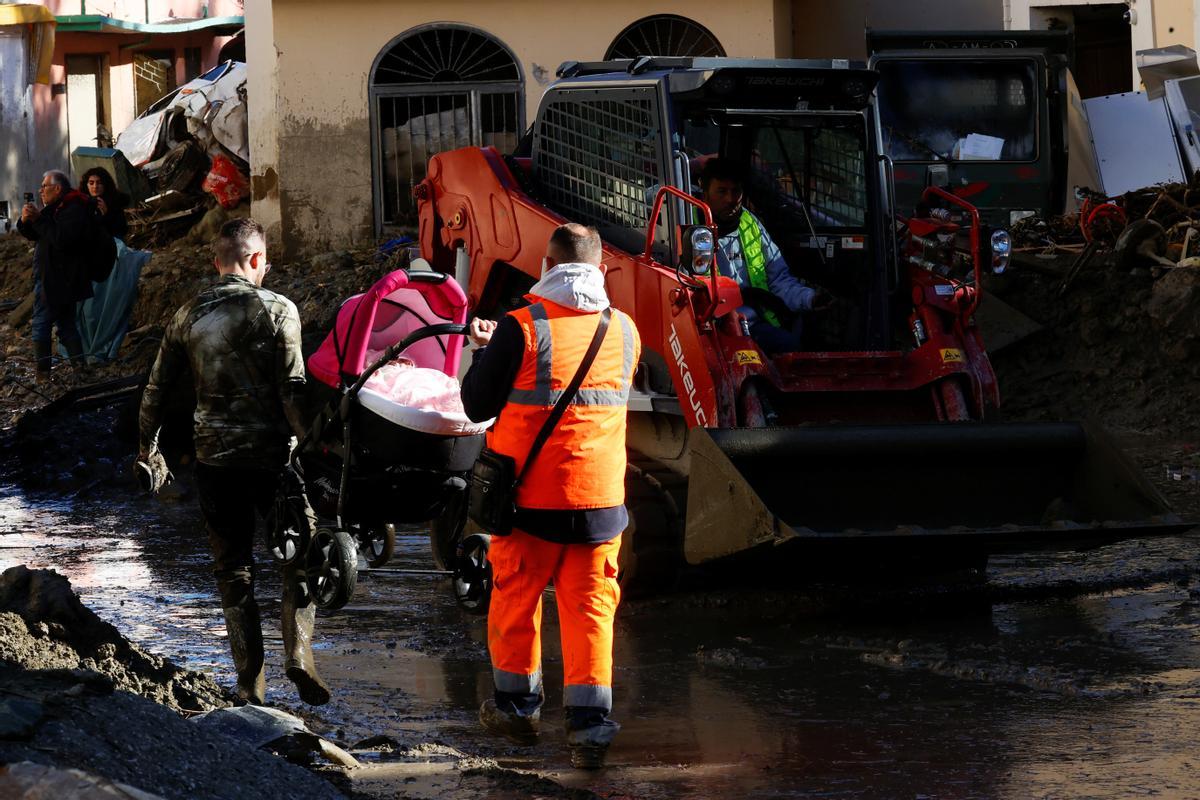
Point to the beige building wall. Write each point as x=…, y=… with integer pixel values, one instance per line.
x=262, y=85
x=1174, y=23
x=836, y=30
x=316, y=63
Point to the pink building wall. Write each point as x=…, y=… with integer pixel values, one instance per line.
x=119, y=95
x=135, y=10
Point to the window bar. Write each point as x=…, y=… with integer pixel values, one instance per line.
x=404, y=145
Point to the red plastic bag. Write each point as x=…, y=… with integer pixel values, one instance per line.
x=226, y=182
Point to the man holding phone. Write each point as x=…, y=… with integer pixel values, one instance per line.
x=60, y=275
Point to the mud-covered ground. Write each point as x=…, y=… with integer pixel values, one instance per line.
x=1117, y=347
x=1064, y=676
x=76, y=694
x=1069, y=675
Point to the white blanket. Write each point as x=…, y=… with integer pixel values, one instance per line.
x=426, y=400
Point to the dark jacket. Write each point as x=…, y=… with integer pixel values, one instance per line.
x=241, y=345
x=61, y=235
x=114, y=220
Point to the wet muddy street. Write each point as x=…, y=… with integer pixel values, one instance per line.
x=1065, y=676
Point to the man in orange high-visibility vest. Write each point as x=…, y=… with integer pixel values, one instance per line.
x=570, y=504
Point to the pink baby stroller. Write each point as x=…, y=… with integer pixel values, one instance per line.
x=371, y=461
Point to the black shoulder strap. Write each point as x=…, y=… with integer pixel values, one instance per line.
x=569, y=393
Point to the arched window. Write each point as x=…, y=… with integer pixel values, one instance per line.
x=665, y=35
x=435, y=88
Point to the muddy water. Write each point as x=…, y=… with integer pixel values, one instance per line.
x=1066, y=676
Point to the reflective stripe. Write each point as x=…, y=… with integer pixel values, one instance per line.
x=588, y=696
x=516, y=683
x=543, y=365
x=750, y=237
x=542, y=395
x=627, y=353
x=583, y=397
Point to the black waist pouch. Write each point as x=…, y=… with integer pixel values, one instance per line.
x=491, y=498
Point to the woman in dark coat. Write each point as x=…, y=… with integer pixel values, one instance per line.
x=100, y=187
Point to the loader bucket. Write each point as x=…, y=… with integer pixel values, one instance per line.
x=914, y=490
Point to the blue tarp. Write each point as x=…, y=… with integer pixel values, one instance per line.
x=104, y=319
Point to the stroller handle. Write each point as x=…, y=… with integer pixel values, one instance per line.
x=441, y=329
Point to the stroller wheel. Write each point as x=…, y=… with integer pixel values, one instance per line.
x=446, y=531
x=331, y=568
x=290, y=528
x=473, y=574
x=378, y=543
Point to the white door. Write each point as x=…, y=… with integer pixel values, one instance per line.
x=16, y=171
x=83, y=101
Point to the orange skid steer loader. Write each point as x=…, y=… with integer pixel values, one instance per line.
x=876, y=445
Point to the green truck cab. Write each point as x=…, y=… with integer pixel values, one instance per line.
x=986, y=115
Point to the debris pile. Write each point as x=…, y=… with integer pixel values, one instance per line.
x=82, y=707
x=1118, y=346
x=45, y=626
x=1153, y=228
x=192, y=148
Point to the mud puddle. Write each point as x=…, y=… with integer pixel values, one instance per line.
x=1077, y=676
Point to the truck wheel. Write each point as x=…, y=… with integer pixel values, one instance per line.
x=652, y=545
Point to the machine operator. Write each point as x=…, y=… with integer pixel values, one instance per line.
x=746, y=253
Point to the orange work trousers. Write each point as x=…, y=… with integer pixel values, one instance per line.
x=585, y=587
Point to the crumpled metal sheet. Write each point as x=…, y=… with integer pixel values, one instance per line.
x=215, y=111
x=140, y=140
x=261, y=726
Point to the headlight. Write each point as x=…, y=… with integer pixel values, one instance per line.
x=703, y=246
x=1001, y=251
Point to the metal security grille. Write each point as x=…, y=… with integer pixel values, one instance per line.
x=665, y=35
x=446, y=54
x=837, y=183
x=434, y=89
x=597, y=158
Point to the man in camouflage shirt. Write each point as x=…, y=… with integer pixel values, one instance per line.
x=242, y=345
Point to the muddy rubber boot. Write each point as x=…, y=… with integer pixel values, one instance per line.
x=246, y=644
x=514, y=727
x=42, y=360
x=74, y=348
x=590, y=745
x=299, y=617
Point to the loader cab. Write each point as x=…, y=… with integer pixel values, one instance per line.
x=811, y=181
x=805, y=137
x=609, y=135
